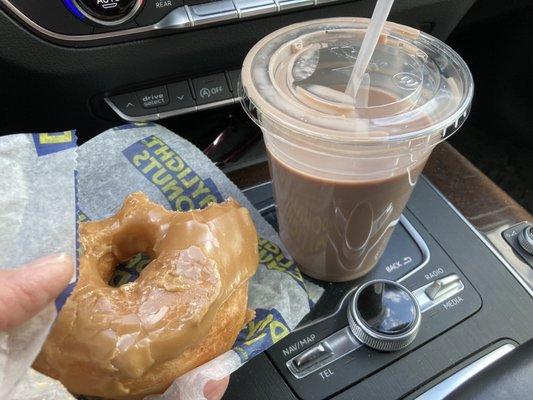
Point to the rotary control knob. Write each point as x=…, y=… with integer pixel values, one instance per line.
x=384, y=315
x=108, y=12
x=525, y=238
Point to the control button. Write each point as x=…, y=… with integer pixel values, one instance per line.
x=384, y=315
x=311, y=356
x=154, y=10
x=108, y=12
x=128, y=105
x=234, y=78
x=179, y=96
x=249, y=8
x=324, y=353
x=153, y=97
x=209, y=89
x=444, y=287
x=517, y=237
x=177, y=19
x=525, y=238
x=288, y=4
x=208, y=13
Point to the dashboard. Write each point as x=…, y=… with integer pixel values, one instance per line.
x=62, y=60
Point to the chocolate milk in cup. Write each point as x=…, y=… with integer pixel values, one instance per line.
x=343, y=168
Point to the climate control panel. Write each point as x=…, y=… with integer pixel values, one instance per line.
x=87, y=21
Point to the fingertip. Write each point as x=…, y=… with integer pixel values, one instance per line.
x=214, y=390
x=26, y=290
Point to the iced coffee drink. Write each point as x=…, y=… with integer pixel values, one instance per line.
x=343, y=167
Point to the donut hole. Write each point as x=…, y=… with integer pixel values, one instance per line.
x=129, y=270
x=133, y=250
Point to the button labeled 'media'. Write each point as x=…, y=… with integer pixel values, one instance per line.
x=209, y=89
x=153, y=97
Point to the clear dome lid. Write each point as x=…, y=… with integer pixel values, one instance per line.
x=415, y=84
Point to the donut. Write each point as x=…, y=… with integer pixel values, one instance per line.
x=186, y=307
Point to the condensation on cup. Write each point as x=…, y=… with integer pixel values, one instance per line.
x=343, y=168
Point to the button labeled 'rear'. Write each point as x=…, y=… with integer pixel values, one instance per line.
x=154, y=10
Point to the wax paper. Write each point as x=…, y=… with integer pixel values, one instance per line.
x=37, y=217
x=39, y=204
x=174, y=173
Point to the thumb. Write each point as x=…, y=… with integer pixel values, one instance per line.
x=26, y=290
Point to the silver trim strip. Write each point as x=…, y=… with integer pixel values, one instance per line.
x=341, y=343
x=424, y=301
x=447, y=386
x=210, y=13
x=176, y=19
x=250, y=8
x=485, y=241
x=291, y=4
x=167, y=114
x=143, y=118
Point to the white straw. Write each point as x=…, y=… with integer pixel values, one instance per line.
x=379, y=17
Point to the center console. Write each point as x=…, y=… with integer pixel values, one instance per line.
x=440, y=306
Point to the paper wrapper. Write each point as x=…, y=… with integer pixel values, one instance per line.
x=174, y=173
x=37, y=217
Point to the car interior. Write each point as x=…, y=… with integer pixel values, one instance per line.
x=463, y=246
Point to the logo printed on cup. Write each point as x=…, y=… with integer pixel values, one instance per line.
x=406, y=80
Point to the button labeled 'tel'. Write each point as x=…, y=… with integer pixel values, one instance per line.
x=209, y=89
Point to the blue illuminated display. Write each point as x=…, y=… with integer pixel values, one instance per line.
x=73, y=9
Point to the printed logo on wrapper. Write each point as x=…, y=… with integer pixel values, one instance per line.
x=179, y=183
x=267, y=328
x=185, y=190
x=48, y=143
x=273, y=258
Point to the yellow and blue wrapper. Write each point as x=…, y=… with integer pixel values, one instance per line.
x=174, y=173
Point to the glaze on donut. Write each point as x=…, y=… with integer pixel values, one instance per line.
x=187, y=306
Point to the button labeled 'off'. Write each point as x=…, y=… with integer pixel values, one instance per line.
x=212, y=88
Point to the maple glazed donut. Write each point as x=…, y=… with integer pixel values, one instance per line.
x=187, y=306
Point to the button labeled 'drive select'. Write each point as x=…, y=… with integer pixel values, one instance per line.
x=153, y=97
x=212, y=88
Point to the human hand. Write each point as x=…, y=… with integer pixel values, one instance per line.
x=214, y=390
x=26, y=290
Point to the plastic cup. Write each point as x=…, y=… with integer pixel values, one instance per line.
x=343, y=169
